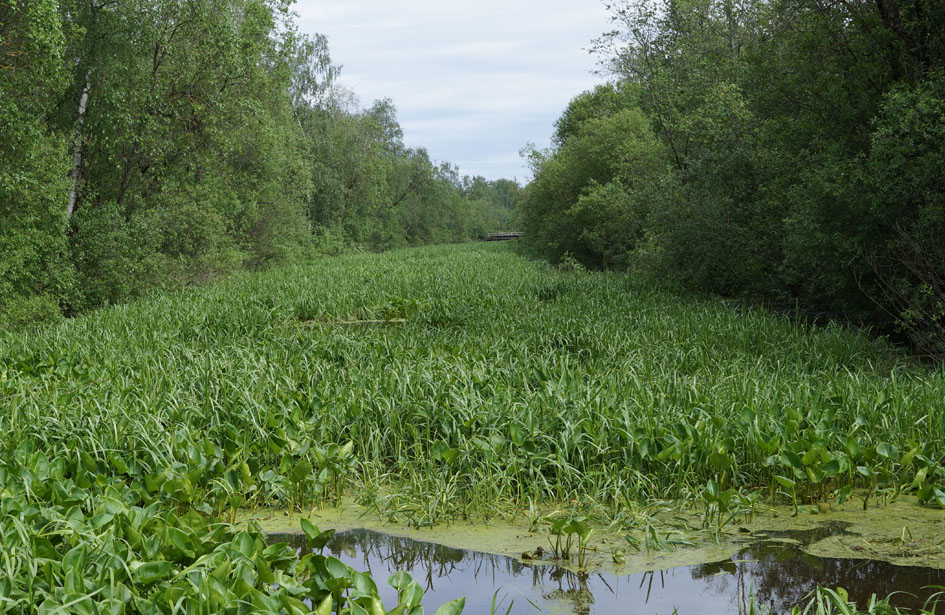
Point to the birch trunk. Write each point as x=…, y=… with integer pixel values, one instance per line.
x=77, y=144
x=77, y=141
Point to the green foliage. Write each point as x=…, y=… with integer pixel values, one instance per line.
x=126, y=448
x=827, y=601
x=79, y=544
x=569, y=531
x=905, y=176
x=718, y=231
x=25, y=312
x=598, y=103
x=152, y=143
x=584, y=199
x=265, y=390
x=802, y=158
x=118, y=264
x=611, y=221
x=33, y=164
x=371, y=190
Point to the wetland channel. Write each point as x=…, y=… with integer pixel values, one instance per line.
x=773, y=568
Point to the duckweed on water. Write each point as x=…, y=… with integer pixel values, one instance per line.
x=503, y=384
x=877, y=534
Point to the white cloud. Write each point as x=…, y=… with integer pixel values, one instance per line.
x=472, y=81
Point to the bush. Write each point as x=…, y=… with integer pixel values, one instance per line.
x=22, y=312
x=603, y=159
x=332, y=243
x=905, y=174
x=611, y=219
x=116, y=259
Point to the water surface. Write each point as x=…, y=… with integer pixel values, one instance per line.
x=778, y=573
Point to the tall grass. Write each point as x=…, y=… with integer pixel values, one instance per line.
x=508, y=382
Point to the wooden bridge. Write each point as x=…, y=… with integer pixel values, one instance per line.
x=503, y=236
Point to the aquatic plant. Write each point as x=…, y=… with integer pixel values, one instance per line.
x=508, y=382
x=718, y=505
x=836, y=601
x=534, y=384
x=112, y=548
x=505, y=382
x=567, y=531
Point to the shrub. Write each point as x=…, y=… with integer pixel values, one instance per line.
x=905, y=174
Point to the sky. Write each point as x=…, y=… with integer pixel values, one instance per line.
x=473, y=81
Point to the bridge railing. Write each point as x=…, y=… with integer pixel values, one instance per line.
x=503, y=236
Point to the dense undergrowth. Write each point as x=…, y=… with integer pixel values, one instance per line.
x=433, y=384
x=507, y=381
x=150, y=144
x=783, y=151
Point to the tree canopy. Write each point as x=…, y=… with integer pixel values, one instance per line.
x=784, y=151
x=150, y=143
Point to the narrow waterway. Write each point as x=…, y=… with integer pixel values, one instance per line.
x=775, y=571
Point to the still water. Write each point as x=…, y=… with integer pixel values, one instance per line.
x=779, y=574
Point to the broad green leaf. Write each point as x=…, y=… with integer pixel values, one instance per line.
x=376, y=607
x=844, y=494
x=311, y=530
x=150, y=572
x=887, y=450
x=337, y=568
x=811, y=456
x=325, y=607
x=852, y=447
x=181, y=540
x=831, y=468
x=76, y=558
x=939, y=497
x=450, y=455
x=412, y=595
x=720, y=460
x=399, y=580
x=791, y=460
x=364, y=584
x=453, y=607
x=712, y=490
x=301, y=471
x=516, y=434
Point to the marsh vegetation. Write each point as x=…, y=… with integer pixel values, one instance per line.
x=198, y=172
x=506, y=386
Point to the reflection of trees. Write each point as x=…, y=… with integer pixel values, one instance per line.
x=778, y=575
x=433, y=561
x=781, y=576
x=426, y=560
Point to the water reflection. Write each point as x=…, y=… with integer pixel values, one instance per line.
x=781, y=575
x=778, y=573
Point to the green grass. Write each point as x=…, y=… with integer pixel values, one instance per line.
x=508, y=381
x=492, y=383
x=825, y=601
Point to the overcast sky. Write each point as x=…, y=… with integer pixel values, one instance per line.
x=473, y=80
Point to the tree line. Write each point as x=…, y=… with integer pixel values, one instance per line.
x=150, y=143
x=790, y=152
